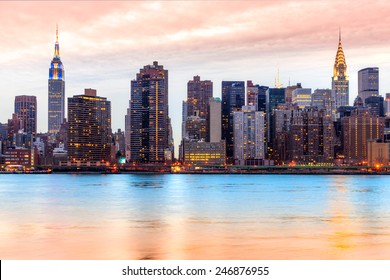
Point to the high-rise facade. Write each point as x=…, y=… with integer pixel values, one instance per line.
x=214, y=123
x=311, y=136
x=387, y=105
x=322, y=99
x=288, y=92
x=56, y=98
x=149, y=123
x=274, y=97
x=233, y=98
x=196, y=109
x=340, y=82
x=301, y=97
x=198, y=94
x=252, y=92
x=358, y=129
x=248, y=135
x=89, y=128
x=368, y=83
x=26, y=111
x=376, y=105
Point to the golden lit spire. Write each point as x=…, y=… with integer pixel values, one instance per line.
x=340, y=67
x=277, y=81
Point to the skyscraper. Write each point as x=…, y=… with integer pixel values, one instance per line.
x=358, y=129
x=233, y=98
x=376, y=105
x=89, y=128
x=198, y=94
x=26, y=111
x=368, y=83
x=195, y=109
x=56, y=102
x=311, y=136
x=322, y=99
x=248, y=136
x=340, y=82
x=274, y=97
x=387, y=105
x=288, y=92
x=301, y=97
x=149, y=120
x=214, y=120
x=252, y=92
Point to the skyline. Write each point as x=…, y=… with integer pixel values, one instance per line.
x=103, y=47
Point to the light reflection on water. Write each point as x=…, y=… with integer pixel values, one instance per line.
x=194, y=217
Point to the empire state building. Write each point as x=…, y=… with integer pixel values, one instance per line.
x=56, y=100
x=340, y=82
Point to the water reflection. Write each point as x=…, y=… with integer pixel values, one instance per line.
x=194, y=217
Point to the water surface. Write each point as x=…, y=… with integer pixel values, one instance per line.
x=171, y=216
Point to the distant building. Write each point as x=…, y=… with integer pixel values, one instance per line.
x=368, y=83
x=89, y=128
x=311, y=137
x=3, y=131
x=263, y=92
x=358, y=129
x=148, y=119
x=281, y=123
x=26, y=111
x=196, y=109
x=198, y=94
x=233, y=98
x=387, y=105
x=340, y=82
x=252, y=92
x=120, y=143
x=196, y=128
x=378, y=153
x=198, y=153
x=289, y=91
x=56, y=91
x=214, y=120
x=301, y=97
x=376, y=105
x=322, y=99
x=59, y=155
x=248, y=135
x=275, y=96
x=387, y=129
x=19, y=156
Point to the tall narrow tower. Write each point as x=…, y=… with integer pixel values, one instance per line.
x=56, y=102
x=149, y=125
x=340, y=82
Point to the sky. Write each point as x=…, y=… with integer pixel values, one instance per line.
x=103, y=45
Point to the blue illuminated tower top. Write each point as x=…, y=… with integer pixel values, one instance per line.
x=56, y=71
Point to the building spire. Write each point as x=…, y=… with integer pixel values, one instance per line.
x=340, y=66
x=57, y=45
x=277, y=80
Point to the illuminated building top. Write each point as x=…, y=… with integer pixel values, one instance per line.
x=340, y=67
x=56, y=71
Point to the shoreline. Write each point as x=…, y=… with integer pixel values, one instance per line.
x=205, y=172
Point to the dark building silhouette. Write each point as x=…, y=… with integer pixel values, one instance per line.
x=233, y=98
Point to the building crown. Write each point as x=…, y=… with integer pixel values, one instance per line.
x=340, y=67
